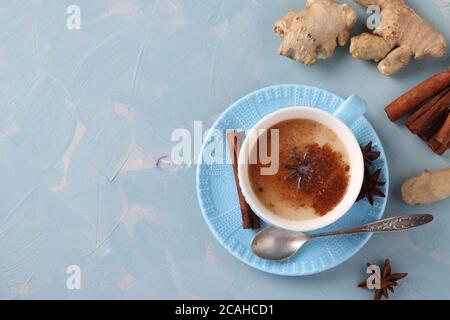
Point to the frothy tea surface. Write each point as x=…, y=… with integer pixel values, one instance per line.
x=313, y=173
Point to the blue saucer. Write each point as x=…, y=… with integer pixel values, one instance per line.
x=219, y=202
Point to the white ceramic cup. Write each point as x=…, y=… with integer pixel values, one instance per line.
x=351, y=110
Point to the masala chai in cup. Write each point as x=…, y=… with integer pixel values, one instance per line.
x=313, y=173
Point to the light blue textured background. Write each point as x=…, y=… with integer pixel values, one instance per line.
x=86, y=114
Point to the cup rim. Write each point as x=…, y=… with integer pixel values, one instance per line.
x=356, y=168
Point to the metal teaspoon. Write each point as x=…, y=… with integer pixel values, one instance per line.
x=278, y=244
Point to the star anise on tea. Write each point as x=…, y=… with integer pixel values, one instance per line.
x=371, y=187
x=300, y=170
x=388, y=281
x=369, y=155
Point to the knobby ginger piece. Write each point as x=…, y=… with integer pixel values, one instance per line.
x=313, y=32
x=401, y=36
x=427, y=188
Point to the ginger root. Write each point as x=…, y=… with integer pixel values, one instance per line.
x=427, y=188
x=312, y=33
x=401, y=35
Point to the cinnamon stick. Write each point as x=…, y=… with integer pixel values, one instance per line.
x=426, y=107
x=440, y=142
x=431, y=115
x=441, y=150
x=418, y=95
x=249, y=219
x=256, y=223
x=437, y=147
x=443, y=136
x=429, y=132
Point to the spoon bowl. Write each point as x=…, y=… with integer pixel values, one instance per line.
x=278, y=244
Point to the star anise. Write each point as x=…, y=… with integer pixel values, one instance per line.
x=371, y=186
x=387, y=282
x=300, y=170
x=369, y=155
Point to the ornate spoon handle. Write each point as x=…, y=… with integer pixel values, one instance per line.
x=386, y=225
